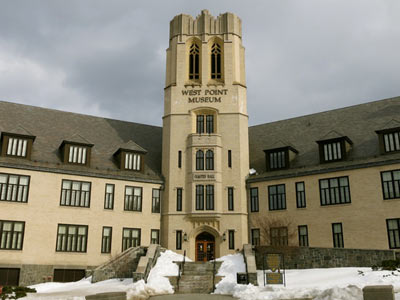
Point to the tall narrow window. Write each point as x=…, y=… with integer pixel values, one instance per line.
x=179, y=240
x=229, y=158
x=254, y=199
x=200, y=124
x=303, y=236
x=337, y=232
x=231, y=239
x=106, y=240
x=72, y=238
x=391, y=184
x=155, y=236
x=179, y=199
x=179, y=159
x=209, y=197
x=209, y=160
x=199, y=197
x=200, y=160
x=133, y=198
x=209, y=124
x=155, y=207
x=277, y=197
x=11, y=235
x=255, y=237
x=194, y=62
x=393, y=228
x=216, y=61
x=300, y=195
x=130, y=238
x=230, y=198
x=109, y=197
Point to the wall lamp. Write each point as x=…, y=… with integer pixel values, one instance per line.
x=224, y=237
x=185, y=237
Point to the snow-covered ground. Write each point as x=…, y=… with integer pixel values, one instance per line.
x=320, y=284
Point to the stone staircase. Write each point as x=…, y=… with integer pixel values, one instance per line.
x=197, y=277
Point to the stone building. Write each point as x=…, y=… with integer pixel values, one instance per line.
x=76, y=190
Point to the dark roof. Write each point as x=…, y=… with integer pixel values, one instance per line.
x=358, y=123
x=52, y=127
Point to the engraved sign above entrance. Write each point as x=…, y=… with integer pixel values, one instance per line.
x=210, y=177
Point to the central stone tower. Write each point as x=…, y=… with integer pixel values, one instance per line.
x=205, y=137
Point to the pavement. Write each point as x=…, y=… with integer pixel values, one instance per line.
x=192, y=297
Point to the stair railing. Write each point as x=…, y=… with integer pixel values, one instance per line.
x=181, y=269
x=214, y=272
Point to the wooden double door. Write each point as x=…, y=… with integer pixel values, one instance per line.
x=205, y=247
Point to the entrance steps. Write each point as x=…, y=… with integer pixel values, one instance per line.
x=197, y=277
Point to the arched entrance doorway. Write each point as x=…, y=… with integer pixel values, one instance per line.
x=205, y=247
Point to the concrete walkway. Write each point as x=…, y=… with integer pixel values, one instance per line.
x=192, y=297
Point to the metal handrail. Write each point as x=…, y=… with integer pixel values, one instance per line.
x=181, y=269
x=214, y=272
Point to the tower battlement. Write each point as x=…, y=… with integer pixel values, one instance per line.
x=205, y=23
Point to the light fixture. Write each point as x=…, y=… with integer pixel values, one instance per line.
x=185, y=237
x=224, y=237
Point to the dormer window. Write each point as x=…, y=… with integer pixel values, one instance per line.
x=389, y=140
x=132, y=161
x=279, y=158
x=17, y=145
x=334, y=149
x=75, y=153
x=130, y=157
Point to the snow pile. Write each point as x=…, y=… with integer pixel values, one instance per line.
x=157, y=284
x=318, y=284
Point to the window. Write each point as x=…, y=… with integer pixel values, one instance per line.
x=106, y=240
x=179, y=159
x=109, y=196
x=130, y=238
x=334, y=149
x=209, y=160
x=199, y=197
x=254, y=199
x=194, y=64
x=303, y=236
x=155, y=207
x=132, y=161
x=17, y=147
x=337, y=232
x=133, y=198
x=230, y=198
x=391, y=184
x=209, y=123
x=179, y=240
x=300, y=195
x=200, y=124
x=216, y=67
x=75, y=193
x=179, y=199
x=77, y=154
x=14, y=187
x=229, y=158
x=72, y=238
x=279, y=236
x=277, y=197
x=255, y=237
x=277, y=160
x=334, y=191
x=209, y=197
x=199, y=160
x=231, y=239
x=391, y=141
x=11, y=235
x=155, y=236
x=393, y=228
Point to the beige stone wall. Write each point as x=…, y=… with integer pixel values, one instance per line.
x=42, y=214
x=363, y=220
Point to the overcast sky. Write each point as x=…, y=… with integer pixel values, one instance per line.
x=107, y=58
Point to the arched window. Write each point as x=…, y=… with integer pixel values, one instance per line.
x=194, y=62
x=209, y=160
x=216, y=61
x=200, y=160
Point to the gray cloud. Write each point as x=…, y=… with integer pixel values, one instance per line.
x=107, y=58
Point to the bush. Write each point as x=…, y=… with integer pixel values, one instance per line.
x=389, y=265
x=15, y=292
